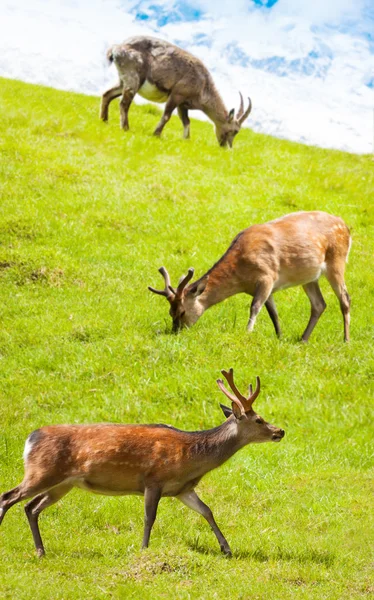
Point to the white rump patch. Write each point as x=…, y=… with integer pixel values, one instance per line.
x=27, y=450
x=151, y=92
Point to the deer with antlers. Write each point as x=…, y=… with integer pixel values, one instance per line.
x=293, y=250
x=161, y=72
x=150, y=460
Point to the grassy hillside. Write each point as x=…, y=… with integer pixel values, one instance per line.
x=88, y=214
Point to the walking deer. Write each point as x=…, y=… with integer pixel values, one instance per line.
x=293, y=250
x=150, y=460
x=161, y=72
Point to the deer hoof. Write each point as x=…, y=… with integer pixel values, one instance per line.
x=226, y=551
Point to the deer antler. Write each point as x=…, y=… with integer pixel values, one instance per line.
x=169, y=292
x=245, y=401
x=231, y=397
x=241, y=116
x=182, y=284
x=229, y=376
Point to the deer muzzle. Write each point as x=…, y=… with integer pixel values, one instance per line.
x=278, y=435
x=177, y=325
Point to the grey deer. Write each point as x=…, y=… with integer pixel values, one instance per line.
x=161, y=72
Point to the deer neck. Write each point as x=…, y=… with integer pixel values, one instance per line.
x=216, y=291
x=222, y=278
x=220, y=443
x=214, y=107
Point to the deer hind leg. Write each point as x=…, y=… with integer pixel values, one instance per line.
x=335, y=275
x=318, y=305
x=35, y=507
x=124, y=106
x=192, y=500
x=8, y=499
x=151, y=499
x=106, y=99
x=29, y=488
x=169, y=107
x=183, y=115
x=273, y=314
x=260, y=297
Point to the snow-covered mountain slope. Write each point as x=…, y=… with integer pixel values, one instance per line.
x=308, y=67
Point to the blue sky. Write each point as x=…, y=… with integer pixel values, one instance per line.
x=308, y=66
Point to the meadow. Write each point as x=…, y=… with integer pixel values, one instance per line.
x=87, y=216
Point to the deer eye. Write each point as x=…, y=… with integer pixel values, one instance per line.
x=259, y=420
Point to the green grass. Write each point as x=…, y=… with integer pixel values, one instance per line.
x=88, y=214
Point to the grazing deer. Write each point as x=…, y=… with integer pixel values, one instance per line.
x=162, y=72
x=150, y=460
x=293, y=250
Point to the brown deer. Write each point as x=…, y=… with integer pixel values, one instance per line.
x=293, y=250
x=161, y=72
x=150, y=460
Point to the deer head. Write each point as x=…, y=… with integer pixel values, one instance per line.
x=227, y=130
x=253, y=426
x=184, y=305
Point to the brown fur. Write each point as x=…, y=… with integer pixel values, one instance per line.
x=293, y=250
x=150, y=460
x=177, y=77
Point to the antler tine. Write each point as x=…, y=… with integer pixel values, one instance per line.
x=241, y=107
x=231, y=397
x=250, y=390
x=184, y=281
x=253, y=396
x=243, y=117
x=229, y=375
x=168, y=292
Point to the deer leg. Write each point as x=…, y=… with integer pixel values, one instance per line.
x=183, y=115
x=169, y=107
x=273, y=314
x=106, y=99
x=35, y=507
x=8, y=499
x=124, y=106
x=23, y=491
x=192, y=500
x=318, y=305
x=151, y=499
x=261, y=295
x=335, y=275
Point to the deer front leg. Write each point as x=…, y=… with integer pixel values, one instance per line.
x=261, y=295
x=106, y=99
x=183, y=115
x=124, y=106
x=192, y=500
x=169, y=107
x=151, y=499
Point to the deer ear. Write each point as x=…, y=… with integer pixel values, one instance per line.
x=231, y=115
x=197, y=288
x=236, y=410
x=226, y=410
